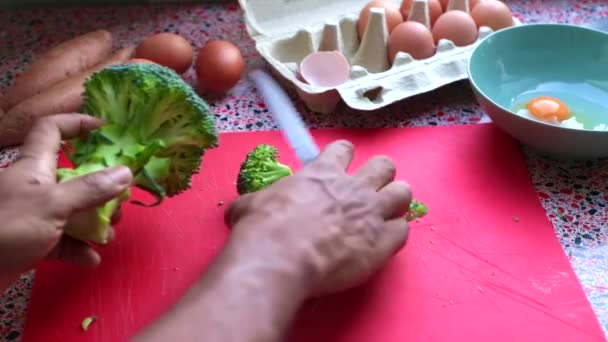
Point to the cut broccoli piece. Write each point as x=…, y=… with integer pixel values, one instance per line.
x=155, y=124
x=260, y=169
x=417, y=210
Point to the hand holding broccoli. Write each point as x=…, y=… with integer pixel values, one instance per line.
x=338, y=228
x=34, y=209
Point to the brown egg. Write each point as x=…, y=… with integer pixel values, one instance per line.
x=167, y=49
x=457, y=26
x=219, y=66
x=445, y=3
x=139, y=60
x=413, y=38
x=435, y=9
x=391, y=11
x=492, y=13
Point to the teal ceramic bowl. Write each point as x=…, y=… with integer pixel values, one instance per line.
x=570, y=63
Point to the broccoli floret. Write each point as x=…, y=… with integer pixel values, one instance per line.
x=260, y=169
x=417, y=210
x=155, y=124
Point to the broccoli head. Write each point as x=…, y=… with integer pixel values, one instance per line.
x=260, y=169
x=155, y=124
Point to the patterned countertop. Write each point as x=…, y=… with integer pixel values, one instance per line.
x=575, y=194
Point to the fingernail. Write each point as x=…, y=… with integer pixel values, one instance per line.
x=120, y=175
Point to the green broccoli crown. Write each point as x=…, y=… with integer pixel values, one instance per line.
x=155, y=124
x=260, y=169
x=150, y=102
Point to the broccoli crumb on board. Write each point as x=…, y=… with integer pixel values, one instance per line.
x=155, y=124
x=87, y=322
x=417, y=210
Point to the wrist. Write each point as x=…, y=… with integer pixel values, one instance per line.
x=269, y=256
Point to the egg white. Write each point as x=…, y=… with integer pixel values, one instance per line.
x=572, y=122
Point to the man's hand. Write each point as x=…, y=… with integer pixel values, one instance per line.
x=338, y=228
x=34, y=208
x=316, y=232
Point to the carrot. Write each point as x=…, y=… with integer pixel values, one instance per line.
x=63, y=97
x=58, y=63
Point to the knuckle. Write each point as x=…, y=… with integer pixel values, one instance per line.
x=320, y=165
x=403, y=188
x=385, y=163
x=56, y=198
x=345, y=144
x=96, y=183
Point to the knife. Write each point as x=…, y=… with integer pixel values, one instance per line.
x=289, y=120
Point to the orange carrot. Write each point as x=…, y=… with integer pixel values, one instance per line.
x=63, y=97
x=58, y=63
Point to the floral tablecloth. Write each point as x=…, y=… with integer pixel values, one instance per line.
x=574, y=194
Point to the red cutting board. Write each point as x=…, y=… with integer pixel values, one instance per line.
x=484, y=265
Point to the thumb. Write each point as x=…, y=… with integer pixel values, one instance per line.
x=94, y=189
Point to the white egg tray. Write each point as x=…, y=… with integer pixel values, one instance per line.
x=286, y=31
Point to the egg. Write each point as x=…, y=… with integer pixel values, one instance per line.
x=167, y=49
x=391, y=12
x=457, y=26
x=572, y=122
x=568, y=107
x=413, y=38
x=139, y=60
x=219, y=66
x=446, y=3
x=548, y=108
x=492, y=13
x=435, y=9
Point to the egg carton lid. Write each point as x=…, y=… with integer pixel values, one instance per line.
x=270, y=19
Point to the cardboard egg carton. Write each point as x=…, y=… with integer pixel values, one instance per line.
x=286, y=31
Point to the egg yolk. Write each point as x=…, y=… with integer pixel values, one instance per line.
x=549, y=108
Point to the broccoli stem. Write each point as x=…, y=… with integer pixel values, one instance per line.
x=94, y=224
x=270, y=177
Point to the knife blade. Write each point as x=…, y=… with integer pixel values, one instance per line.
x=289, y=120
